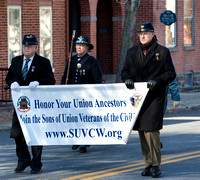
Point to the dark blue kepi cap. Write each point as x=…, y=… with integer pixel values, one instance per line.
x=29, y=39
x=146, y=27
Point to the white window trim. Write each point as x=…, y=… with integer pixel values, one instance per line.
x=175, y=29
x=20, y=35
x=51, y=26
x=192, y=17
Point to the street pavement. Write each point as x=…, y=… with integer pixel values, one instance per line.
x=180, y=155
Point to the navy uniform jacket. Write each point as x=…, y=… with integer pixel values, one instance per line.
x=40, y=70
x=158, y=66
x=88, y=73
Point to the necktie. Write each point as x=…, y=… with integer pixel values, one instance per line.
x=25, y=69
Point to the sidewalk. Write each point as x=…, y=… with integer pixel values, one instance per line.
x=189, y=100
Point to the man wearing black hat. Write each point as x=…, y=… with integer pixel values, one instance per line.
x=31, y=70
x=149, y=62
x=84, y=69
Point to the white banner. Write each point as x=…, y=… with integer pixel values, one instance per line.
x=78, y=114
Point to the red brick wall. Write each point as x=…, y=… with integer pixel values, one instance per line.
x=88, y=22
x=149, y=10
x=3, y=35
x=158, y=8
x=30, y=24
x=118, y=22
x=59, y=38
x=3, y=40
x=144, y=13
x=89, y=28
x=30, y=18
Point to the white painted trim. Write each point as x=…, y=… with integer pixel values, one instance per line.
x=20, y=32
x=51, y=26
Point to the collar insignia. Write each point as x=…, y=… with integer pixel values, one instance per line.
x=157, y=56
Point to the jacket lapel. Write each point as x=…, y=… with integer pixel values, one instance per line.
x=139, y=57
x=33, y=66
x=19, y=66
x=149, y=57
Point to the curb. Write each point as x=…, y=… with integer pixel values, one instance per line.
x=183, y=109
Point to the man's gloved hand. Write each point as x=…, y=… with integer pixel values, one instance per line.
x=129, y=83
x=15, y=86
x=33, y=84
x=151, y=84
x=176, y=104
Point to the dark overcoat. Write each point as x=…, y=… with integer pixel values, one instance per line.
x=158, y=66
x=40, y=70
x=87, y=72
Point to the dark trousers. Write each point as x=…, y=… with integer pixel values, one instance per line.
x=23, y=154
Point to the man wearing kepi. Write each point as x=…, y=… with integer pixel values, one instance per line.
x=84, y=69
x=31, y=70
x=149, y=62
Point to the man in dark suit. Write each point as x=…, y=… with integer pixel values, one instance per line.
x=31, y=70
x=84, y=69
x=149, y=62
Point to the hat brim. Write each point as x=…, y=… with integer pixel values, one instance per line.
x=84, y=42
x=90, y=46
x=145, y=30
x=26, y=43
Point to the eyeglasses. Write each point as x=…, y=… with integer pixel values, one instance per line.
x=29, y=46
x=144, y=33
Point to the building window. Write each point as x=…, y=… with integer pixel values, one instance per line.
x=46, y=32
x=188, y=22
x=170, y=31
x=14, y=32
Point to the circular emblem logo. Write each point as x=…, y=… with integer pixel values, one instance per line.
x=23, y=104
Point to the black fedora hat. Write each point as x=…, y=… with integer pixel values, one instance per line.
x=84, y=40
x=146, y=27
x=29, y=39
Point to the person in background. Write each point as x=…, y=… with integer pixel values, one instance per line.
x=174, y=91
x=84, y=69
x=149, y=62
x=175, y=96
x=31, y=70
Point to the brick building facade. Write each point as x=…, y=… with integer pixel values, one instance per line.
x=102, y=21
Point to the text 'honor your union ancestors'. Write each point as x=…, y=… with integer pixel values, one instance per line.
x=76, y=103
